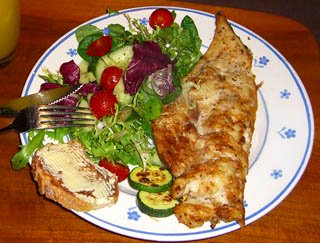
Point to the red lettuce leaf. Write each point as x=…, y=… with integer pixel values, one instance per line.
x=89, y=88
x=147, y=59
x=70, y=73
x=70, y=100
x=48, y=86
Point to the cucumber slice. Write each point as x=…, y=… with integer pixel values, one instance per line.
x=83, y=102
x=150, y=179
x=122, y=97
x=83, y=66
x=87, y=78
x=120, y=58
x=103, y=62
x=85, y=75
x=156, y=204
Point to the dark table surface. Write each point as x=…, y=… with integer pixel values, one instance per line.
x=307, y=12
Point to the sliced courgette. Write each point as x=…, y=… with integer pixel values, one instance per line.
x=159, y=204
x=150, y=179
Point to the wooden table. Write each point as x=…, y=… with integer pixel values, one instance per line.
x=25, y=216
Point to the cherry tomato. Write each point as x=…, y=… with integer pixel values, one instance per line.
x=122, y=171
x=161, y=17
x=102, y=103
x=100, y=47
x=110, y=77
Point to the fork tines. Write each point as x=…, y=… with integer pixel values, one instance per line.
x=53, y=116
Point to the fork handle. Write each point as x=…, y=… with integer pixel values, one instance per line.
x=6, y=129
x=7, y=112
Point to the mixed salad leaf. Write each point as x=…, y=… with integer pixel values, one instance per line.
x=153, y=61
x=147, y=59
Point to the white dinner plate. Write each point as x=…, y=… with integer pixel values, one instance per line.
x=282, y=140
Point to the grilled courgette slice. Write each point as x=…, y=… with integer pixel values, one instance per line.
x=158, y=205
x=150, y=179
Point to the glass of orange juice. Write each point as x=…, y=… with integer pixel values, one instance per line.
x=9, y=29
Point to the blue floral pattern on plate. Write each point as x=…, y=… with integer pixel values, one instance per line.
x=133, y=214
x=285, y=94
x=105, y=31
x=276, y=174
x=144, y=21
x=72, y=52
x=287, y=133
x=261, y=61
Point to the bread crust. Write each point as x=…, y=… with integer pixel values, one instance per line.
x=52, y=188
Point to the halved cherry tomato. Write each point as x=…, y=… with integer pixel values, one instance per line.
x=110, y=77
x=122, y=171
x=100, y=47
x=102, y=103
x=161, y=17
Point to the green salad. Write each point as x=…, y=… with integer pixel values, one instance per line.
x=128, y=76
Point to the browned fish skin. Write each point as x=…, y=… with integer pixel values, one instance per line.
x=205, y=139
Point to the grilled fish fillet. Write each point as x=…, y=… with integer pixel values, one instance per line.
x=204, y=137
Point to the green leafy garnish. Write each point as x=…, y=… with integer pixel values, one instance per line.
x=21, y=159
x=147, y=103
x=124, y=141
x=111, y=12
x=35, y=141
x=120, y=36
x=51, y=77
x=181, y=43
x=86, y=30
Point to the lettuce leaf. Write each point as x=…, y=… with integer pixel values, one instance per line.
x=147, y=59
x=182, y=43
x=70, y=72
x=21, y=159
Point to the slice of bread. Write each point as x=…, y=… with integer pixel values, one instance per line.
x=65, y=174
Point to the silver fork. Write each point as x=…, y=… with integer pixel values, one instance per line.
x=50, y=116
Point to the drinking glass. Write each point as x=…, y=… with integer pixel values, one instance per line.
x=9, y=29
